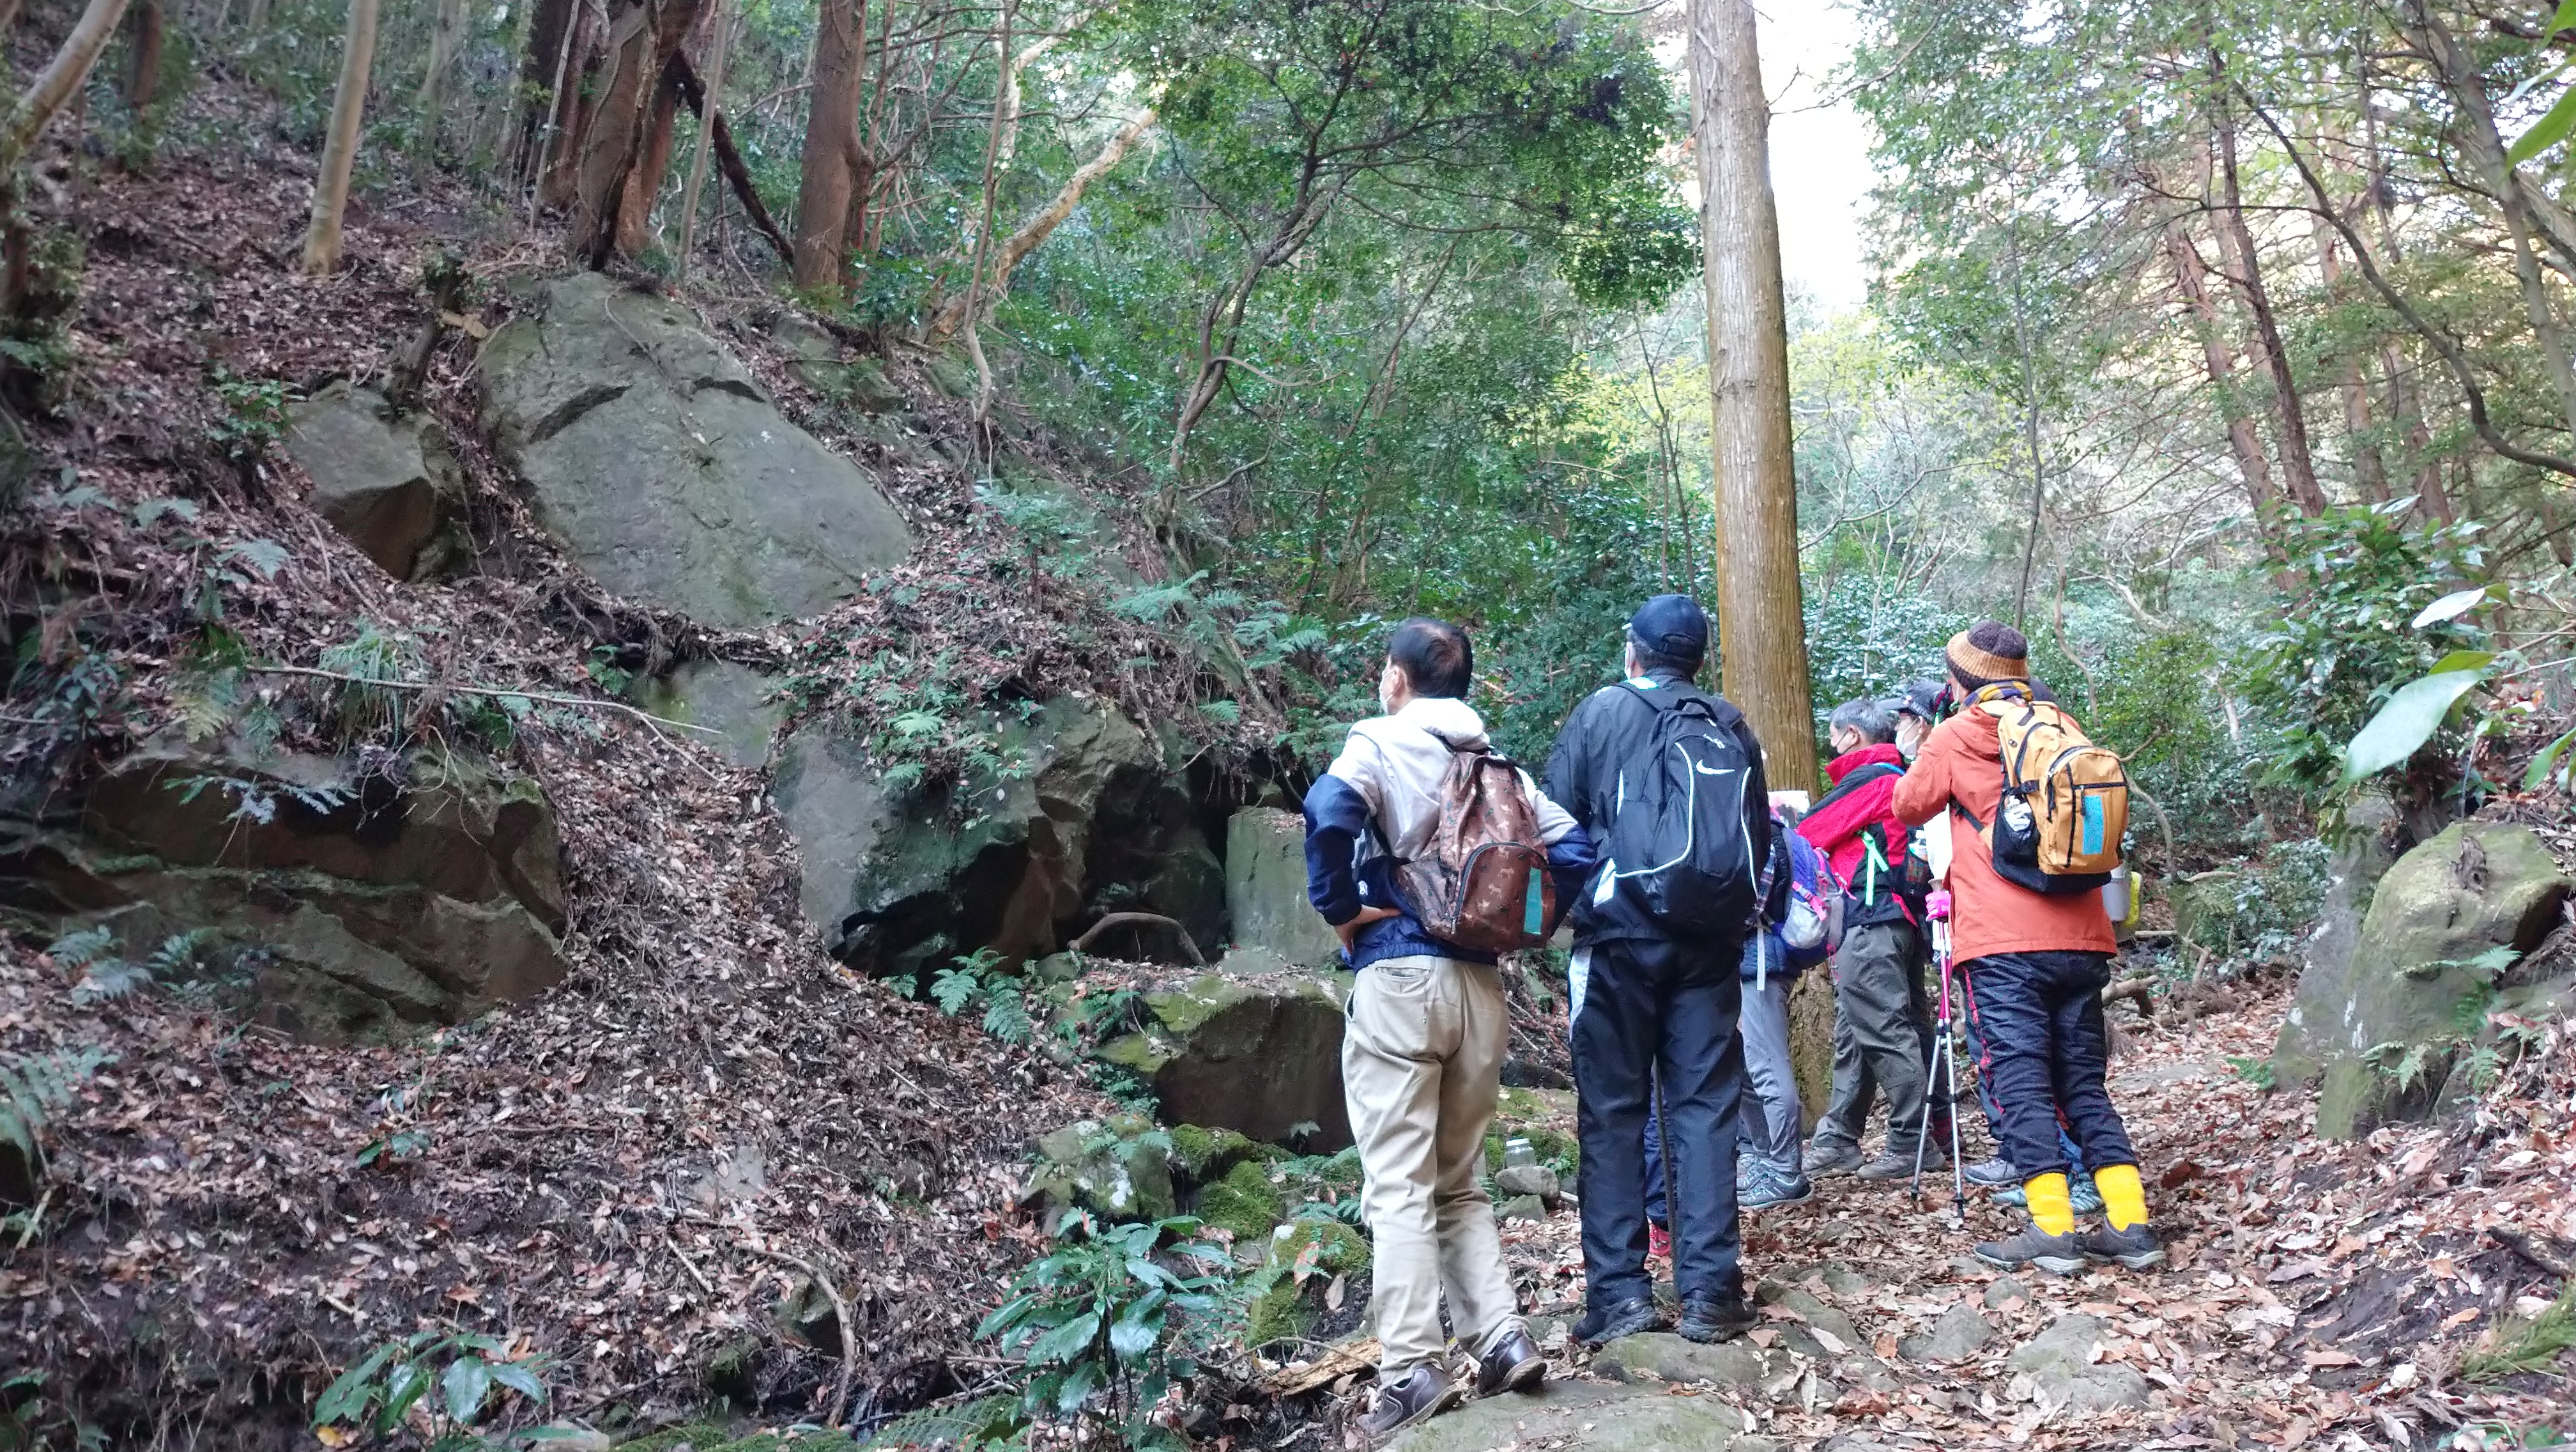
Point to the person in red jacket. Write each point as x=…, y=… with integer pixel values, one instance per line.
x=1882, y=1023
x=2036, y=964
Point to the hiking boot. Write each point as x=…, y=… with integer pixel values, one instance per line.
x=1996, y=1171
x=2135, y=1248
x=1514, y=1365
x=1768, y=1186
x=1423, y=1393
x=1827, y=1158
x=2083, y=1196
x=2059, y=1255
x=1715, y=1318
x=1899, y=1165
x=1602, y=1325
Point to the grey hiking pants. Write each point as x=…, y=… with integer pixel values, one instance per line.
x=1882, y=1037
x=1773, y=1119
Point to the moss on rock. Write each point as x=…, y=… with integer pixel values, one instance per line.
x=1244, y=1203
x=1205, y=1155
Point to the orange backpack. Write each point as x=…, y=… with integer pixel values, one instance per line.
x=2065, y=800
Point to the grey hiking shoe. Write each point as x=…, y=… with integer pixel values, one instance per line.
x=1899, y=1165
x=1827, y=1158
x=2060, y=1255
x=2135, y=1248
x=1423, y=1393
x=1996, y=1171
x=1768, y=1186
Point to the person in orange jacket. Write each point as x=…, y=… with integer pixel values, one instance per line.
x=2036, y=964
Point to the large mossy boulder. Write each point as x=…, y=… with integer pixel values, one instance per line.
x=2442, y=925
x=1265, y=889
x=388, y=481
x=1253, y=1045
x=666, y=472
x=365, y=903
x=901, y=881
x=2371, y=837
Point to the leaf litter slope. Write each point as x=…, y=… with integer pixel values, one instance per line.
x=622, y=1173
x=2319, y=1294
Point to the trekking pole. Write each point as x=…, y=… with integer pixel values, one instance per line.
x=1943, y=1070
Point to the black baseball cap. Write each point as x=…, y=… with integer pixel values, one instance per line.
x=1672, y=625
x=1918, y=698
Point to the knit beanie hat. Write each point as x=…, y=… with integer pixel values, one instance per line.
x=1989, y=651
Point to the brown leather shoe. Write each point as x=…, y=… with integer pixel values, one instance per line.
x=1514, y=1365
x=1423, y=1393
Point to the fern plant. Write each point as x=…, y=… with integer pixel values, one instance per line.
x=977, y=976
x=33, y=1086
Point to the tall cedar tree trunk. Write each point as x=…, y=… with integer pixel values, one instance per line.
x=2192, y=281
x=143, y=23
x=831, y=161
x=2245, y=266
x=1762, y=631
x=576, y=104
x=340, y=148
x=431, y=103
x=2485, y=151
x=635, y=204
x=618, y=153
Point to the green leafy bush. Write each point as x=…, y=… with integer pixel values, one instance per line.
x=1104, y=1324
x=472, y=1375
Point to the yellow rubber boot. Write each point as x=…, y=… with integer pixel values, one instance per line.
x=2124, y=1200
x=2049, y=1207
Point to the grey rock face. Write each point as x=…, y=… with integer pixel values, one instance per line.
x=390, y=483
x=651, y=453
x=1265, y=888
x=2059, y=1362
x=1955, y=1337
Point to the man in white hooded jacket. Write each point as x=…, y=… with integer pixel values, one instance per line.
x=1427, y=1029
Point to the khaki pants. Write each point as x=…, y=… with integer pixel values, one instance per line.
x=1422, y=1059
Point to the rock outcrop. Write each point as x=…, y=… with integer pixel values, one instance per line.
x=2445, y=922
x=653, y=455
x=1254, y=1045
x=2373, y=835
x=389, y=482
x=730, y=700
x=1088, y=821
x=357, y=904
x=1265, y=888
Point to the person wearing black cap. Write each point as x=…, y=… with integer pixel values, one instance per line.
x=1668, y=783
x=1918, y=707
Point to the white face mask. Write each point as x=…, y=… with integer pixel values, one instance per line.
x=1387, y=681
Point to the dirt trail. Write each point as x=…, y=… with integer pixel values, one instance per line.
x=2319, y=1294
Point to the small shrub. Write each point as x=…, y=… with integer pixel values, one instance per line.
x=472, y=1375
x=1104, y=1325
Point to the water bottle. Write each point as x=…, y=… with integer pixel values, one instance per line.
x=1519, y=1152
x=2117, y=894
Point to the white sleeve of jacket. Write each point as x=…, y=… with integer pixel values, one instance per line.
x=1363, y=765
x=1553, y=821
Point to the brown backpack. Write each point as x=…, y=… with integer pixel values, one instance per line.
x=1482, y=880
